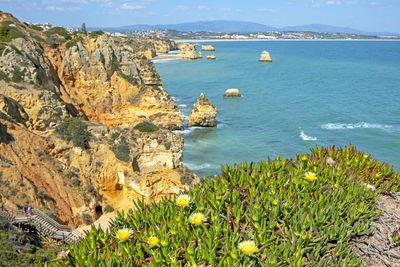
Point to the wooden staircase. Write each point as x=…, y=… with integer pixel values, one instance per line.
x=42, y=223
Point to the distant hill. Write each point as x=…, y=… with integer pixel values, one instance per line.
x=240, y=26
x=211, y=26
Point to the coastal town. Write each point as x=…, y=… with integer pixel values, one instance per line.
x=273, y=35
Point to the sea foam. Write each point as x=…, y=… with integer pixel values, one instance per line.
x=363, y=125
x=307, y=137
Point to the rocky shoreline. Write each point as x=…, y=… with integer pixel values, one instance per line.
x=85, y=124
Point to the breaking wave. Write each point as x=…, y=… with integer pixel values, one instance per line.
x=307, y=137
x=363, y=125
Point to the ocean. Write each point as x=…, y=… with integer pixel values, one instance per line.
x=313, y=93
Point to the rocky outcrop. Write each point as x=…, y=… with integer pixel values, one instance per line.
x=265, y=57
x=207, y=48
x=187, y=50
x=203, y=114
x=113, y=85
x=233, y=92
x=199, y=56
x=212, y=56
x=98, y=90
x=164, y=46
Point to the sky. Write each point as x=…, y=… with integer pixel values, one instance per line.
x=367, y=15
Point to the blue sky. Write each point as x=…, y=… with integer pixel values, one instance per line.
x=369, y=15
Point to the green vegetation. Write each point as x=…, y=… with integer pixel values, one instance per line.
x=17, y=75
x=7, y=32
x=298, y=212
x=167, y=145
x=4, y=76
x=121, y=150
x=96, y=33
x=36, y=28
x=74, y=130
x=72, y=42
x=60, y=31
x=146, y=127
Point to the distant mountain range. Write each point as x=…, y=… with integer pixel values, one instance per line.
x=241, y=27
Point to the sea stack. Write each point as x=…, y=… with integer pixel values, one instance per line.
x=203, y=114
x=265, y=57
x=187, y=50
x=212, y=56
x=233, y=92
x=207, y=48
x=200, y=55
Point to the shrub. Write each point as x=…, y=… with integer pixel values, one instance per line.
x=122, y=151
x=75, y=182
x=167, y=145
x=87, y=219
x=4, y=76
x=260, y=214
x=17, y=75
x=54, y=41
x=96, y=33
x=7, y=33
x=108, y=208
x=74, y=130
x=36, y=28
x=71, y=43
x=60, y=31
x=146, y=127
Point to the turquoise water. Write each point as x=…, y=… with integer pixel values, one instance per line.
x=324, y=93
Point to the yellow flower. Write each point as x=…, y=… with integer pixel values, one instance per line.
x=183, y=201
x=197, y=218
x=124, y=234
x=248, y=247
x=310, y=176
x=153, y=241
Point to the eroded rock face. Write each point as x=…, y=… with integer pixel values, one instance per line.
x=164, y=46
x=265, y=57
x=187, y=50
x=212, y=56
x=111, y=87
x=207, y=48
x=233, y=92
x=203, y=114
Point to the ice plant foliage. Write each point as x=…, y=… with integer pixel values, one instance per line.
x=302, y=211
x=247, y=247
x=197, y=218
x=153, y=241
x=124, y=234
x=310, y=176
x=183, y=201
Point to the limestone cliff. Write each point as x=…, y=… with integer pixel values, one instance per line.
x=187, y=50
x=203, y=114
x=72, y=110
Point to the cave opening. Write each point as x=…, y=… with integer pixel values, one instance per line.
x=99, y=211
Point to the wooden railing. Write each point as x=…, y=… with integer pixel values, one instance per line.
x=42, y=222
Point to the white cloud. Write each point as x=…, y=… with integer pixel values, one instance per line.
x=226, y=9
x=333, y=2
x=267, y=10
x=182, y=8
x=373, y=3
x=203, y=8
x=132, y=6
x=57, y=8
x=55, y=2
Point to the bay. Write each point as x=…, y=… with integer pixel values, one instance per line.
x=313, y=93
